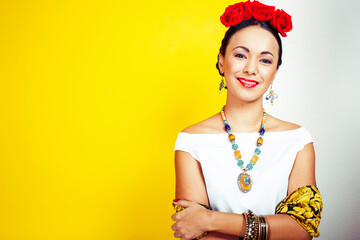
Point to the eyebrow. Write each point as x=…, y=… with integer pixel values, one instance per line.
x=247, y=50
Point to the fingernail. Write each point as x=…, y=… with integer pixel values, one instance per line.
x=175, y=200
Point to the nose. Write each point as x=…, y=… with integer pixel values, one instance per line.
x=251, y=67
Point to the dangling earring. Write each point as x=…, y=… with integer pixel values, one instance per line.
x=222, y=84
x=271, y=96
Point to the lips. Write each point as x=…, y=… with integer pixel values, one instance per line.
x=247, y=82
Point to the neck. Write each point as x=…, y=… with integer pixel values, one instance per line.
x=244, y=117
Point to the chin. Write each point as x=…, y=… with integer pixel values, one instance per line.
x=248, y=99
x=247, y=96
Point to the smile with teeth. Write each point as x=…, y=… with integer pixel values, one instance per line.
x=247, y=82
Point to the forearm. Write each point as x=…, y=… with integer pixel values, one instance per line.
x=227, y=223
x=281, y=226
x=219, y=236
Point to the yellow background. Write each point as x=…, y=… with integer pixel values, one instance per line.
x=93, y=94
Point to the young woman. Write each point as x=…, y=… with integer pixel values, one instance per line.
x=243, y=173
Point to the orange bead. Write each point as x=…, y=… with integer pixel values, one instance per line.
x=254, y=159
x=231, y=137
x=223, y=116
x=260, y=141
x=237, y=154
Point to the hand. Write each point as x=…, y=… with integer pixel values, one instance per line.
x=190, y=222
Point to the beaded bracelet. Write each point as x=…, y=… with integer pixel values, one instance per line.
x=246, y=225
x=256, y=227
x=252, y=226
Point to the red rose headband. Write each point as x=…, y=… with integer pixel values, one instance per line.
x=241, y=11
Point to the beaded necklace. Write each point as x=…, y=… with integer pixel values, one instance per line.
x=244, y=181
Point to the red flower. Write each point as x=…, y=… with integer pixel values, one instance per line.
x=261, y=11
x=241, y=11
x=281, y=22
x=235, y=13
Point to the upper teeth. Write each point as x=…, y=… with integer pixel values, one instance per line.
x=248, y=81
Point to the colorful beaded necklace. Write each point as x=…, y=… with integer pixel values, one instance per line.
x=244, y=181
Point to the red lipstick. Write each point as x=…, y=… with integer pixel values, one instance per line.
x=248, y=83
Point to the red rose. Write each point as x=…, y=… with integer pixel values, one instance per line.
x=261, y=11
x=281, y=22
x=234, y=14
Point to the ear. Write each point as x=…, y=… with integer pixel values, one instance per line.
x=221, y=63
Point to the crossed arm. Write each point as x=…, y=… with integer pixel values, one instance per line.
x=195, y=220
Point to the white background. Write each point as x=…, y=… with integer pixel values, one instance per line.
x=319, y=87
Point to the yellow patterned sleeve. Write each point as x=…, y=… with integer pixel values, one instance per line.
x=304, y=205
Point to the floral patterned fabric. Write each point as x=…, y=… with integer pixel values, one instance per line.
x=304, y=205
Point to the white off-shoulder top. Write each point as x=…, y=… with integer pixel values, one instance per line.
x=269, y=176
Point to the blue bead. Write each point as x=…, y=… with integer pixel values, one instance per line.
x=262, y=131
x=235, y=146
x=257, y=151
x=240, y=162
x=227, y=127
x=225, y=122
x=247, y=179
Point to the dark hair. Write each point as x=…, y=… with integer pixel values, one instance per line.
x=244, y=24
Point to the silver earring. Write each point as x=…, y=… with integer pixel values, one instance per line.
x=222, y=84
x=271, y=96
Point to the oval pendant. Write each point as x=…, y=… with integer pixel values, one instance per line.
x=244, y=182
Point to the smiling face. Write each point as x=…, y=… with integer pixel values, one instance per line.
x=250, y=63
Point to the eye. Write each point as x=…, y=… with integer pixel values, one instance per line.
x=239, y=55
x=266, y=61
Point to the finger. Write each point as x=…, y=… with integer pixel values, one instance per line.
x=177, y=234
x=184, y=238
x=174, y=227
x=175, y=217
x=183, y=203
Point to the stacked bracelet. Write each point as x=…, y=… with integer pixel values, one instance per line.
x=252, y=226
x=256, y=226
x=263, y=228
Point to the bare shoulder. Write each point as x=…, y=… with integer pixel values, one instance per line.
x=274, y=124
x=212, y=124
x=303, y=171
